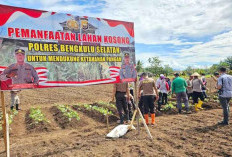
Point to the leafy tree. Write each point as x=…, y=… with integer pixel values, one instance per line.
x=189, y=70
x=228, y=60
x=139, y=66
x=167, y=70
x=155, y=66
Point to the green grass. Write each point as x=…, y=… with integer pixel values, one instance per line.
x=37, y=115
x=68, y=112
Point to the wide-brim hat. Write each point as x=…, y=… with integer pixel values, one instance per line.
x=195, y=74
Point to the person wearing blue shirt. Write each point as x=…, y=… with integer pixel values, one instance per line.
x=224, y=85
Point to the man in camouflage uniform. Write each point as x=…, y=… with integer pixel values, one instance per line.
x=127, y=70
x=20, y=73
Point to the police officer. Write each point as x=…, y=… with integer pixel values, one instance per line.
x=127, y=70
x=150, y=94
x=121, y=92
x=20, y=72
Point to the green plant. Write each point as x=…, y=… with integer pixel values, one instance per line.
x=37, y=115
x=215, y=97
x=68, y=112
x=107, y=104
x=168, y=106
x=11, y=116
x=101, y=110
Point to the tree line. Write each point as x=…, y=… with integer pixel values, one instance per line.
x=156, y=67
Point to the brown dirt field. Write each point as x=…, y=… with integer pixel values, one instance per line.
x=174, y=135
x=95, y=115
x=63, y=121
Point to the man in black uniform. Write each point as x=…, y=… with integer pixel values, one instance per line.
x=121, y=92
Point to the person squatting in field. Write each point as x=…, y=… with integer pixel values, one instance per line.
x=197, y=86
x=121, y=93
x=150, y=94
x=179, y=88
x=163, y=92
x=224, y=85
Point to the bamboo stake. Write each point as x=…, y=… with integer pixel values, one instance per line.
x=4, y=126
x=136, y=105
x=144, y=123
x=107, y=122
x=133, y=118
x=7, y=137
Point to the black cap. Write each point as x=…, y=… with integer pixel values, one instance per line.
x=216, y=74
x=17, y=51
x=126, y=55
x=176, y=74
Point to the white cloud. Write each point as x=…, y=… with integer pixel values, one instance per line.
x=165, y=22
x=198, y=56
x=159, y=21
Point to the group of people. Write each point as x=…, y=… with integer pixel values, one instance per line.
x=151, y=91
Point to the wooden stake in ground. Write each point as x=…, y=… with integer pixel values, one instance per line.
x=5, y=126
x=7, y=137
x=136, y=104
x=107, y=122
x=139, y=115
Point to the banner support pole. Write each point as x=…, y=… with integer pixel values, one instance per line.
x=137, y=105
x=5, y=126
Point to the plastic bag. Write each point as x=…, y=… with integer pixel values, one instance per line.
x=119, y=131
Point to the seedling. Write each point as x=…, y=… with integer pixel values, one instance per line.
x=168, y=107
x=68, y=112
x=101, y=110
x=10, y=117
x=107, y=104
x=37, y=115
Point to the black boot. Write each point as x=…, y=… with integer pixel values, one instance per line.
x=159, y=106
x=121, y=119
x=12, y=107
x=17, y=107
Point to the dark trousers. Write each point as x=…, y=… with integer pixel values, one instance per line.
x=141, y=105
x=225, y=103
x=122, y=106
x=204, y=94
x=149, y=104
x=131, y=108
x=163, y=99
x=190, y=95
x=197, y=95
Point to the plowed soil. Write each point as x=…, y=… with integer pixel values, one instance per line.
x=174, y=135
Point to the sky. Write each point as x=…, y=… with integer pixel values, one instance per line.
x=181, y=33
